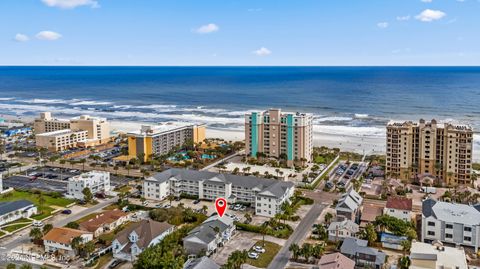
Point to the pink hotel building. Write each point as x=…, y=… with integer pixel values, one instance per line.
x=279, y=134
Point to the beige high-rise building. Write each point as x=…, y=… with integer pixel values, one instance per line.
x=61, y=139
x=443, y=151
x=97, y=129
x=279, y=134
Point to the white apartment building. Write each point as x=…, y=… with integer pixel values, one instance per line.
x=265, y=195
x=457, y=224
x=96, y=181
x=61, y=139
x=93, y=131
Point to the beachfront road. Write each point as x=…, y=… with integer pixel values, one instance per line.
x=282, y=257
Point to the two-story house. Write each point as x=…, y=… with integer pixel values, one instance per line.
x=211, y=234
x=59, y=239
x=364, y=256
x=104, y=222
x=399, y=207
x=339, y=230
x=348, y=206
x=132, y=241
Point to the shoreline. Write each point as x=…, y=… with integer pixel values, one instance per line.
x=373, y=143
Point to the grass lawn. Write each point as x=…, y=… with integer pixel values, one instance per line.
x=19, y=221
x=103, y=260
x=2, y=233
x=45, y=209
x=15, y=227
x=264, y=259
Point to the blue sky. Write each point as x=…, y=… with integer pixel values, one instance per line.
x=240, y=32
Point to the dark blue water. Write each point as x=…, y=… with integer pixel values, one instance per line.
x=218, y=96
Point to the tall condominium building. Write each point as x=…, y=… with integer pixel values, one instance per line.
x=279, y=134
x=97, y=129
x=163, y=138
x=429, y=148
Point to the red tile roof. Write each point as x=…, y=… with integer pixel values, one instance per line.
x=399, y=202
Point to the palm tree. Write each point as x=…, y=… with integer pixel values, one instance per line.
x=77, y=243
x=35, y=234
x=263, y=230
x=406, y=245
x=306, y=251
x=295, y=249
x=83, y=161
x=328, y=217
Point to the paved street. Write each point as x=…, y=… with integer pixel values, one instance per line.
x=22, y=237
x=281, y=260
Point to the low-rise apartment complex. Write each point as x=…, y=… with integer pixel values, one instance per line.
x=279, y=134
x=457, y=224
x=83, y=131
x=441, y=150
x=161, y=139
x=265, y=195
x=96, y=181
x=61, y=140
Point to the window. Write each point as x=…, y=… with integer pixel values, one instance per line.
x=467, y=238
x=467, y=229
x=431, y=223
x=432, y=233
x=448, y=236
x=449, y=226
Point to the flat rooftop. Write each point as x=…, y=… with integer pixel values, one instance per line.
x=161, y=128
x=60, y=132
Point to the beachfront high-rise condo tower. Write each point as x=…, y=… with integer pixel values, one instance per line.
x=279, y=134
x=160, y=139
x=437, y=152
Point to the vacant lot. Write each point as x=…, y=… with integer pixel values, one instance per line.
x=271, y=249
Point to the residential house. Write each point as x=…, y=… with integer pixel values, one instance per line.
x=335, y=261
x=399, y=207
x=212, y=233
x=392, y=241
x=348, y=205
x=12, y=211
x=133, y=240
x=436, y=255
x=339, y=230
x=369, y=213
x=201, y=263
x=265, y=195
x=104, y=222
x=59, y=240
x=451, y=223
x=364, y=256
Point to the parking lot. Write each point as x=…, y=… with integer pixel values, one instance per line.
x=344, y=173
x=26, y=183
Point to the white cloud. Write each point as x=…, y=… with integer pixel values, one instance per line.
x=382, y=25
x=426, y=1
x=48, y=35
x=262, y=52
x=21, y=38
x=429, y=15
x=69, y=4
x=207, y=29
x=403, y=18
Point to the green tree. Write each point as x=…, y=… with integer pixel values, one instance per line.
x=11, y=266
x=328, y=217
x=295, y=249
x=369, y=234
x=36, y=234
x=77, y=243
x=87, y=194
x=89, y=248
x=47, y=228
x=406, y=246
x=26, y=266
x=306, y=251
x=72, y=225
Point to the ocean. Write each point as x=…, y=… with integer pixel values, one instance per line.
x=356, y=101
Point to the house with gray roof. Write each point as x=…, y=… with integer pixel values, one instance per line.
x=14, y=210
x=339, y=230
x=457, y=224
x=201, y=263
x=265, y=195
x=211, y=234
x=133, y=240
x=364, y=256
x=348, y=206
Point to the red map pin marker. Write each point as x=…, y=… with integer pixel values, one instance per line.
x=220, y=205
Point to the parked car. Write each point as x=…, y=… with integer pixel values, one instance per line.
x=145, y=203
x=259, y=249
x=37, y=223
x=253, y=255
x=196, y=202
x=67, y=211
